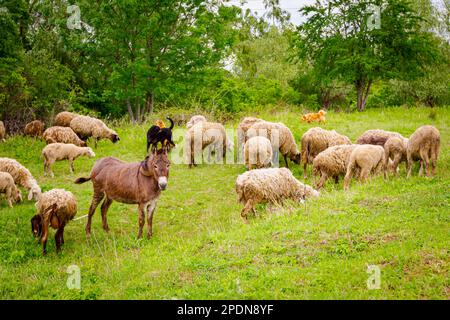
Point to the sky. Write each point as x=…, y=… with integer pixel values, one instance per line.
x=292, y=6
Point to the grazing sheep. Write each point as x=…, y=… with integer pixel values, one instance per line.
x=395, y=150
x=55, y=208
x=194, y=120
x=2, y=131
x=377, y=137
x=242, y=129
x=280, y=136
x=86, y=127
x=62, y=151
x=271, y=185
x=316, y=140
x=206, y=134
x=258, y=152
x=138, y=183
x=62, y=135
x=64, y=118
x=332, y=162
x=368, y=159
x=34, y=128
x=21, y=176
x=423, y=145
x=8, y=187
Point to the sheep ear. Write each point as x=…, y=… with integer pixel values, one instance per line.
x=30, y=195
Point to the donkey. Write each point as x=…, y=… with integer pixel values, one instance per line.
x=133, y=183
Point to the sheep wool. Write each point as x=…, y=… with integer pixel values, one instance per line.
x=86, y=127
x=34, y=128
x=21, y=176
x=62, y=135
x=395, y=150
x=64, y=118
x=194, y=120
x=377, y=137
x=65, y=202
x=2, y=131
x=424, y=145
x=8, y=187
x=258, y=153
x=62, y=151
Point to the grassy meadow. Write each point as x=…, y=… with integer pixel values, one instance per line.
x=201, y=249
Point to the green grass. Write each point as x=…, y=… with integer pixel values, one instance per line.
x=202, y=250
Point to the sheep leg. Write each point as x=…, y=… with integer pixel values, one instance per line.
x=104, y=209
x=71, y=165
x=94, y=204
x=59, y=238
x=421, y=168
x=44, y=236
x=305, y=173
x=286, y=161
x=409, y=164
x=364, y=174
x=322, y=181
x=248, y=207
x=150, y=210
x=336, y=179
x=426, y=160
x=95, y=142
x=141, y=210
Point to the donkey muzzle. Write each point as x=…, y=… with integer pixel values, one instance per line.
x=162, y=183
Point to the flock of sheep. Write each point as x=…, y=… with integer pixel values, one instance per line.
x=332, y=155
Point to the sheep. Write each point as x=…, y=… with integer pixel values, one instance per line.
x=242, y=129
x=423, y=145
x=206, y=134
x=395, y=150
x=10, y=189
x=258, y=152
x=332, y=162
x=21, y=176
x=62, y=135
x=64, y=118
x=55, y=208
x=272, y=185
x=316, y=140
x=2, y=131
x=194, y=120
x=85, y=127
x=34, y=128
x=368, y=159
x=281, y=138
x=62, y=151
x=377, y=137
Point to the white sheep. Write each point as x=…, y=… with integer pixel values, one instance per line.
x=258, y=152
x=272, y=185
x=2, y=131
x=21, y=176
x=8, y=187
x=194, y=120
x=62, y=151
x=86, y=127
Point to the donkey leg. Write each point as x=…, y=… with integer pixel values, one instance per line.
x=150, y=210
x=96, y=199
x=141, y=210
x=104, y=209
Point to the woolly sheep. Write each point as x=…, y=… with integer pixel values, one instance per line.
x=377, y=137
x=423, y=145
x=316, y=140
x=62, y=135
x=61, y=151
x=332, y=162
x=368, y=159
x=63, y=119
x=8, y=187
x=86, y=127
x=258, y=152
x=194, y=120
x=272, y=185
x=2, y=131
x=395, y=150
x=242, y=129
x=34, y=128
x=21, y=176
x=55, y=208
x=206, y=134
x=280, y=136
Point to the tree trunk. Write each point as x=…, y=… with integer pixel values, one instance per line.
x=363, y=90
x=149, y=102
x=130, y=111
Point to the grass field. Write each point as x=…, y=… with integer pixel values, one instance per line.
x=202, y=250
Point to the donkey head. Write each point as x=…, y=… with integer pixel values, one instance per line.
x=157, y=165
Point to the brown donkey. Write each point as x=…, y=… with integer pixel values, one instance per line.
x=133, y=183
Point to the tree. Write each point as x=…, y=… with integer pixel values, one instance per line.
x=345, y=40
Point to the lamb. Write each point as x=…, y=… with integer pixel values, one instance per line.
x=395, y=150
x=316, y=140
x=258, y=152
x=423, y=145
x=34, y=128
x=86, y=127
x=271, y=185
x=64, y=118
x=206, y=134
x=62, y=135
x=368, y=158
x=55, y=208
x=8, y=187
x=21, y=176
x=61, y=151
x=281, y=137
x=332, y=162
x=2, y=131
x=194, y=120
x=377, y=137
x=242, y=129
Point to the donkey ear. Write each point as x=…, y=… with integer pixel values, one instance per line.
x=154, y=149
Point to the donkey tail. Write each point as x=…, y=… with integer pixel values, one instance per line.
x=82, y=180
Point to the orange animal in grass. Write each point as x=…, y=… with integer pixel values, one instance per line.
x=160, y=124
x=311, y=117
